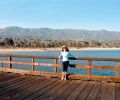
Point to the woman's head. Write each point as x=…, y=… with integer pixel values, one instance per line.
x=65, y=48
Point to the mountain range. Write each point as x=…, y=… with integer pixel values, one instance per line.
x=59, y=34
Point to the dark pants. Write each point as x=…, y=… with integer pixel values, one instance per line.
x=65, y=65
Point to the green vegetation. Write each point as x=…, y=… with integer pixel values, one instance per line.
x=38, y=43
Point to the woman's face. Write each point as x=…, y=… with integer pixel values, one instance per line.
x=64, y=50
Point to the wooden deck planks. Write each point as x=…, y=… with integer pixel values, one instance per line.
x=94, y=91
x=77, y=91
x=51, y=92
x=102, y=91
x=40, y=92
x=35, y=88
x=117, y=91
x=16, y=92
x=69, y=90
x=27, y=87
x=7, y=88
x=84, y=93
x=59, y=92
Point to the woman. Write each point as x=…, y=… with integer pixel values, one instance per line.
x=64, y=56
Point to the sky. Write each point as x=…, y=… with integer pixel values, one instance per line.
x=61, y=14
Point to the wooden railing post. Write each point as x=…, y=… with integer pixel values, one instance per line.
x=117, y=70
x=55, y=67
x=10, y=64
x=2, y=64
x=33, y=67
x=89, y=68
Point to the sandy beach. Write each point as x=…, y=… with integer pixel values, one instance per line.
x=51, y=49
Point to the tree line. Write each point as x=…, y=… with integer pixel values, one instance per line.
x=38, y=43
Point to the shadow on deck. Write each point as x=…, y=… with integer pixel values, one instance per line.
x=26, y=87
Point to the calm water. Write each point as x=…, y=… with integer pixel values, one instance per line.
x=87, y=53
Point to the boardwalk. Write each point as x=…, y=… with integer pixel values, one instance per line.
x=27, y=87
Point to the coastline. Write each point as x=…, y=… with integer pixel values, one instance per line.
x=50, y=49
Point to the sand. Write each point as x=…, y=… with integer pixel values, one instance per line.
x=50, y=49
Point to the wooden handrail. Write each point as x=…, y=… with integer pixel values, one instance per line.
x=116, y=68
x=56, y=57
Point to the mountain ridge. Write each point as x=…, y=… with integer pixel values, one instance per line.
x=59, y=34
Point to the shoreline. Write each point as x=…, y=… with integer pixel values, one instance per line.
x=51, y=49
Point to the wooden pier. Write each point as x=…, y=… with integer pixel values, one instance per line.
x=30, y=87
x=26, y=84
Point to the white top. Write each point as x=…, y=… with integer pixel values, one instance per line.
x=65, y=56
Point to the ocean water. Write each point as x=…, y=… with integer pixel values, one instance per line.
x=78, y=53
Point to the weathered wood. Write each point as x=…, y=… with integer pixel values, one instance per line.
x=55, y=57
x=33, y=66
x=16, y=92
x=77, y=91
x=7, y=88
x=117, y=66
x=69, y=90
x=59, y=65
x=28, y=87
x=89, y=69
x=55, y=67
x=110, y=93
x=10, y=64
x=94, y=92
x=35, y=88
x=61, y=90
x=42, y=91
x=83, y=95
x=102, y=91
x=52, y=74
x=117, y=91
x=51, y=92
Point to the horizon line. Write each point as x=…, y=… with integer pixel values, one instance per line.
x=95, y=29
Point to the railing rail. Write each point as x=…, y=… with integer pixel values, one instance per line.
x=89, y=66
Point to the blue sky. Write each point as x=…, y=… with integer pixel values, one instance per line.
x=75, y=14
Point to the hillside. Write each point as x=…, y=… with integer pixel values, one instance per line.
x=59, y=34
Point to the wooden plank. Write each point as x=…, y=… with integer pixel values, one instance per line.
x=102, y=91
x=10, y=64
x=6, y=89
x=62, y=89
x=55, y=67
x=12, y=80
x=117, y=90
x=55, y=57
x=77, y=91
x=89, y=69
x=110, y=93
x=116, y=72
x=68, y=91
x=33, y=66
x=83, y=95
x=30, y=72
x=14, y=93
x=94, y=92
x=52, y=74
x=59, y=65
x=5, y=74
x=40, y=92
x=2, y=73
x=51, y=92
x=35, y=88
x=8, y=77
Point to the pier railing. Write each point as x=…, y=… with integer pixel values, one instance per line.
x=89, y=67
